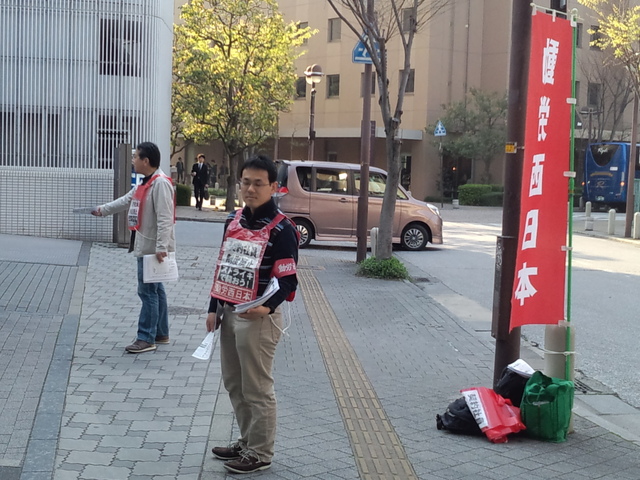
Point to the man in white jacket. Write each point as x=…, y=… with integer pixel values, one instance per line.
x=151, y=219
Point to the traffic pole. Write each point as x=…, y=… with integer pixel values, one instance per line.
x=365, y=148
x=631, y=178
x=508, y=343
x=365, y=153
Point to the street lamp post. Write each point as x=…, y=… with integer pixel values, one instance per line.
x=313, y=75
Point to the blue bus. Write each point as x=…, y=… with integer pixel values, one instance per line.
x=606, y=171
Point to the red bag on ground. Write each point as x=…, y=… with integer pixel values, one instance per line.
x=496, y=416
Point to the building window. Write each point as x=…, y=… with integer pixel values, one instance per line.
x=578, y=35
x=559, y=5
x=373, y=84
x=595, y=35
x=301, y=87
x=406, y=19
x=334, y=29
x=333, y=86
x=120, y=48
x=577, y=88
x=594, y=94
x=301, y=26
x=410, y=81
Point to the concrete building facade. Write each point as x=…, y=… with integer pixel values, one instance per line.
x=466, y=46
x=78, y=78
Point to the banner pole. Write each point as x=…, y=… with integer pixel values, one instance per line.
x=568, y=343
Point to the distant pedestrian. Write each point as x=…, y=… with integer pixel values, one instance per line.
x=259, y=242
x=200, y=175
x=151, y=221
x=180, y=170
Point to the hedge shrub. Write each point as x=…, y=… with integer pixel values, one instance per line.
x=492, y=199
x=183, y=195
x=471, y=193
x=389, y=269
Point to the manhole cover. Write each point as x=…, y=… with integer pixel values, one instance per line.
x=583, y=387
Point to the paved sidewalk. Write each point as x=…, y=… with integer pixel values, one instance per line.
x=364, y=370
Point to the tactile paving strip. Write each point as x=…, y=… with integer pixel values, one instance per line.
x=376, y=446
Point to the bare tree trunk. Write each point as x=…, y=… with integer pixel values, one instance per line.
x=385, y=249
x=231, y=183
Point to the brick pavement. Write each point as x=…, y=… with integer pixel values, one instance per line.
x=156, y=415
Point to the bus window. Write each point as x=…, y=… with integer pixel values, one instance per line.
x=603, y=153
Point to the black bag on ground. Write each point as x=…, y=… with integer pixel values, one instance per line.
x=511, y=385
x=458, y=419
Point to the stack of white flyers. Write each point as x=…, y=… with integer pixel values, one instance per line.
x=83, y=210
x=203, y=352
x=155, y=272
x=272, y=288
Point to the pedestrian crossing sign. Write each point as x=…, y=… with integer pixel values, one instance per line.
x=440, y=130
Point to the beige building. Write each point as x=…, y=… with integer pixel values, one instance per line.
x=466, y=46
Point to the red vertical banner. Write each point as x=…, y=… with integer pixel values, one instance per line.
x=538, y=295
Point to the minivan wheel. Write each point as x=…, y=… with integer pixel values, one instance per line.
x=306, y=232
x=414, y=237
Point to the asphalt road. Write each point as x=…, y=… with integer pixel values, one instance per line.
x=604, y=304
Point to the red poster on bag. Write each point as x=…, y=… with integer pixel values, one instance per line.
x=539, y=283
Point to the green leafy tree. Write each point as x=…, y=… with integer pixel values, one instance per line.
x=476, y=128
x=388, y=21
x=618, y=31
x=233, y=73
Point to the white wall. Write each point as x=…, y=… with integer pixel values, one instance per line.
x=78, y=78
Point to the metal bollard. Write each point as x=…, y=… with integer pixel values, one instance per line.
x=612, y=222
x=373, y=237
x=588, y=223
x=636, y=225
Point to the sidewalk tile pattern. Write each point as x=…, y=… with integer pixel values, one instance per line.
x=139, y=416
x=108, y=415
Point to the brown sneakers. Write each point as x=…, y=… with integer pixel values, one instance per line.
x=247, y=463
x=140, y=346
x=227, y=453
x=162, y=339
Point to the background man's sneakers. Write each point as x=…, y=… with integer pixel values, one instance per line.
x=227, y=453
x=247, y=463
x=140, y=346
x=162, y=339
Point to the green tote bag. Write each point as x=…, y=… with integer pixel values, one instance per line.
x=546, y=407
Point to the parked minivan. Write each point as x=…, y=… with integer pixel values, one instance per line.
x=322, y=199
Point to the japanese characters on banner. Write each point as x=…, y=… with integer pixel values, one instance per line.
x=539, y=282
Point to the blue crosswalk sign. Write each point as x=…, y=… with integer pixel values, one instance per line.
x=360, y=54
x=440, y=131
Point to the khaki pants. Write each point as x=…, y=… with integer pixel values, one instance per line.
x=247, y=349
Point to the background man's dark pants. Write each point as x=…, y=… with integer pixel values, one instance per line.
x=198, y=191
